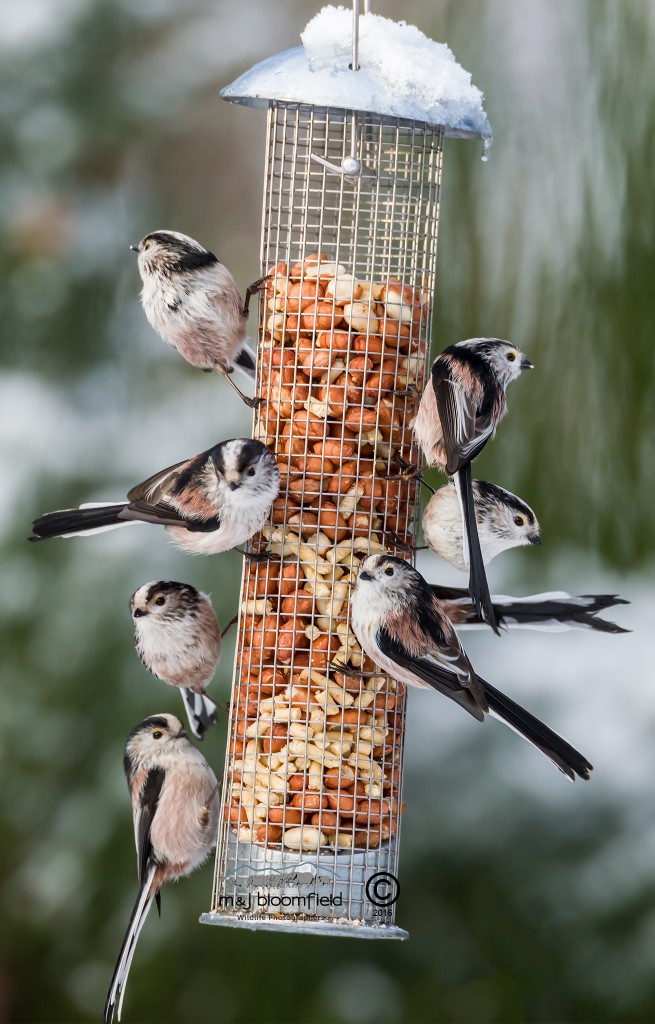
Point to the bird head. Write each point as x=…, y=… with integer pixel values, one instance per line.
x=162, y=599
x=170, y=252
x=246, y=470
x=506, y=360
x=152, y=740
x=504, y=520
x=385, y=582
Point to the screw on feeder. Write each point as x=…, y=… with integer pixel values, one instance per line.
x=351, y=168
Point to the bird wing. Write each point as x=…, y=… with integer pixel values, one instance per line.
x=465, y=431
x=157, y=485
x=224, y=295
x=155, y=500
x=429, y=649
x=147, y=806
x=161, y=513
x=448, y=593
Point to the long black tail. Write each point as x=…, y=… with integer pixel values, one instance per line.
x=541, y=611
x=200, y=712
x=122, y=969
x=478, y=586
x=567, y=758
x=576, y=613
x=76, y=520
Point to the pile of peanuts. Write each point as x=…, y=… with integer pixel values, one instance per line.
x=316, y=740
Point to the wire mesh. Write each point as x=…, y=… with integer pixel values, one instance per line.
x=312, y=794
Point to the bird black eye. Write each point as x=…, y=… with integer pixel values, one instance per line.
x=160, y=599
x=250, y=471
x=519, y=521
x=511, y=356
x=147, y=244
x=157, y=734
x=388, y=571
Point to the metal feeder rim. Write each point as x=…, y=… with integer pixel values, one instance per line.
x=255, y=88
x=351, y=931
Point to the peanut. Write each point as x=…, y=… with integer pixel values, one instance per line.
x=340, y=778
x=304, y=837
x=343, y=288
x=303, y=733
x=301, y=292
x=360, y=316
x=309, y=801
x=335, y=341
x=344, y=803
x=325, y=819
x=287, y=815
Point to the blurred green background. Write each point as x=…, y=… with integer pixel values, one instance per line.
x=527, y=899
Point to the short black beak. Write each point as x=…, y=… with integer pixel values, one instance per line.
x=134, y=248
x=182, y=734
x=535, y=538
x=364, y=576
x=526, y=364
x=138, y=612
x=234, y=487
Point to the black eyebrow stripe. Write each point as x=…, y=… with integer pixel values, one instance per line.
x=169, y=586
x=156, y=720
x=487, y=490
x=248, y=452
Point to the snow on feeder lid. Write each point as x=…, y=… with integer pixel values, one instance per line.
x=401, y=73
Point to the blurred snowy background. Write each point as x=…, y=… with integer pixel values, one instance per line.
x=527, y=898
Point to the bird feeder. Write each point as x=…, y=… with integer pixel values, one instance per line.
x=312, y=793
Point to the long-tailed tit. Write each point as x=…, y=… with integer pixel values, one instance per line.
x=461, y=407
x=193, y=303
x=503, y=521
x=207, y=504
x=175, y=809
x=554, y=612
x=403, y=628
x=178, y=638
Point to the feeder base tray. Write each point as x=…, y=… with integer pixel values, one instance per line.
x=312, y=927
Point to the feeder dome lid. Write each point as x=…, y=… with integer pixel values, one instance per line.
x=402, y=73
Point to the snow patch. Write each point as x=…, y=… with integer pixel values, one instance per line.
x=402, y=73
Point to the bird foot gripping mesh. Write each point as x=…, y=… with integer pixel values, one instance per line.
x=311, y=802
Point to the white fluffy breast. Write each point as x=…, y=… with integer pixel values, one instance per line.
x=198, y=312
x=427, y=428
x=229, y=534
x=181, y=834
x=442, y=527
x=242, y=515
x=179, y=650
x=365, y=623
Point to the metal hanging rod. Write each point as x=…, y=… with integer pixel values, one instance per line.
x=367, y=10
x=355, y=61
x=351, y=167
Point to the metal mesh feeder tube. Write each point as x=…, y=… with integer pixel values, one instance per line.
x=312, y=794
